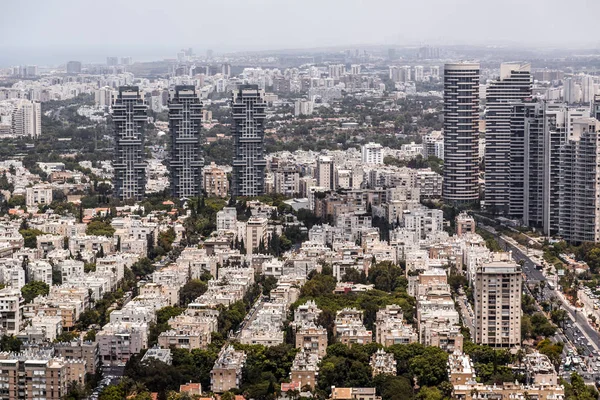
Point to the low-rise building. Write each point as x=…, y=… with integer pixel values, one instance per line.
x=227, y=371
x=383, y=363
x=305, y=369
x=313, y=339
x=354, y=394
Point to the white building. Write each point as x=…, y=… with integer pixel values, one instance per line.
x=372, y=153
x=27, y=119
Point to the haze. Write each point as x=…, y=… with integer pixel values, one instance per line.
x=149, y=28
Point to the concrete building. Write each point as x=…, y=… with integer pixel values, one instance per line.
x=372, y=153
x=79, y=350
x=11, y=311
x=465, y=387
x=74, y=67
x=354, y=394
x=38, y=196
x=248, y=108
x=465, y=223
x=34, y=375
x=579, y=212
x=305, y=369
x=513, y=86
x=117, y=342
x=498, y=302
x=129, y=117
x=391, y=329
x=256, y=233
x=185, y=124
x=27, y=119
x=383, y=363
x=461, y=133
x=325, y=173
x=215, y=181
x=227, y=371
x=303, y=107
x=313, y=339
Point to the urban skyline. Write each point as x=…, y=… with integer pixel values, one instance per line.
x=413, y=219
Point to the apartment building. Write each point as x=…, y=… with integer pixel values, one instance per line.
x=498, y=302
x=383, y=363
x=313, y=339
x=227, y=371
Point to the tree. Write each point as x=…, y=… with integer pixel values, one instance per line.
x=30, y=237
x=100, y=228
x=33, y=289
x=193, y=289
x=430, y=366
x=10, y=343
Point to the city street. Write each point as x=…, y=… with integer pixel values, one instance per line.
x=579, y=333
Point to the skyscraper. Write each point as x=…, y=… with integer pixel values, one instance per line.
x=129, y=117
x=27, y=118
x=185, y=123
x=498, y=302
x=579, y=211
x=461, y=133
x=248, y=108
x=74, y=67
x=514, y=85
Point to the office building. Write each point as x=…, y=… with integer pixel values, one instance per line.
x=514, y=85
x=74, y=67
x=498, y=302
x=248, y=175
x=129, y=116
x=579, y=208
x=461, y=133
x=185, y=123
x=27, y=118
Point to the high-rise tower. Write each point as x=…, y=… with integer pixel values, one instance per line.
x=461, y=133
x=185, y=123
x=129, y=117
x=514, y=85
x=498, y=302
x=248, y=107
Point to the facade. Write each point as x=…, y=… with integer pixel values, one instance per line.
x=37, y=375
x=579, y=212
x=354, y=393
x=325, y=173
x=383, y=363
x=465, y=223
x=256, y=233
x=305, y=369
x=129, y=116
x=514, y=85
x=185, y=124
x=248, y=176
x=215, y=181
x=27, y=119
x=313, y=339
x=227, y=371
x=74, y=67
x=11, y=311
x=372, y=153
x=498, y=302
x=461, y=133
x=38, y=195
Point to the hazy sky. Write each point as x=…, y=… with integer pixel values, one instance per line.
x=85, y=27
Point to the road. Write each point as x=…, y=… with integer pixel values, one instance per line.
x=577, y=331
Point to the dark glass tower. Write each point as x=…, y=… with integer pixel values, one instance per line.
x=248, y=107
x=185, y=124
x=128, y=117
